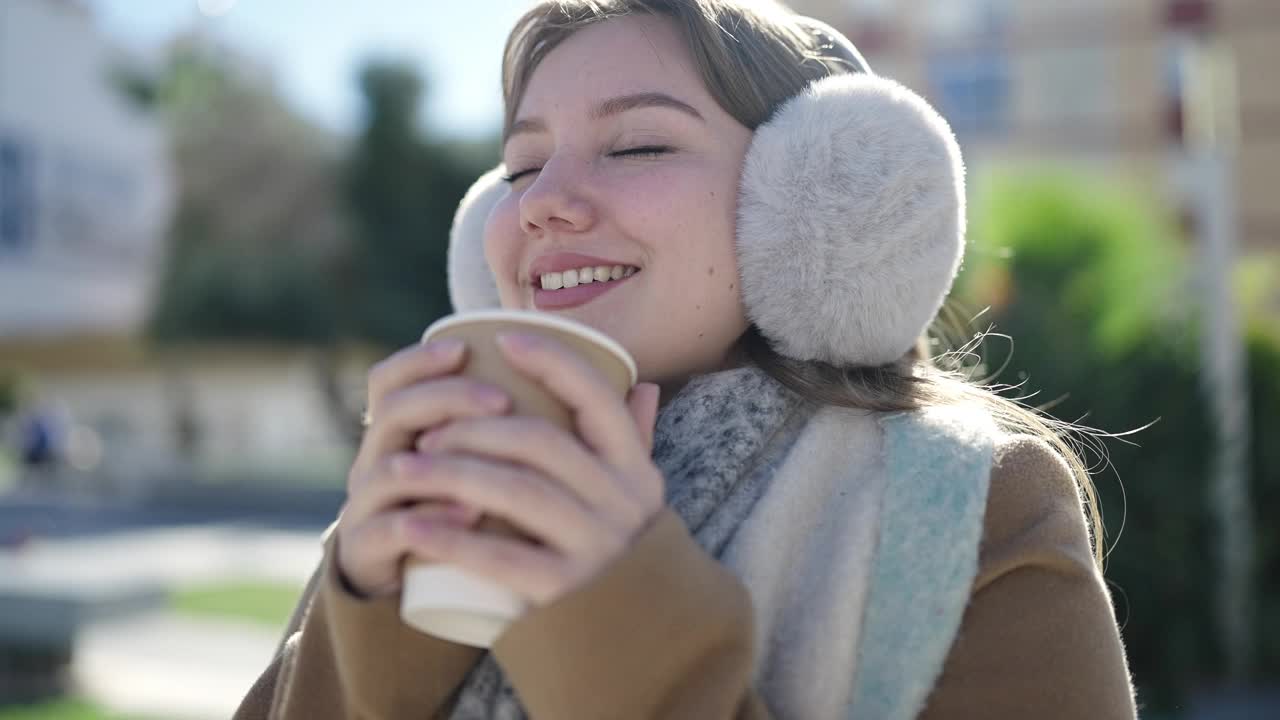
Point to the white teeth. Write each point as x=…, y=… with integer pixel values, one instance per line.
x=582, y=276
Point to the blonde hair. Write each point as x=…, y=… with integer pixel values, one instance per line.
x=753, y=55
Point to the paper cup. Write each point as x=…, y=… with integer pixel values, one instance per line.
x=446, y=601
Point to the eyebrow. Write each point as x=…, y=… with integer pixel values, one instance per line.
x=614, y=106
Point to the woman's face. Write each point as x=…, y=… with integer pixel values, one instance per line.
x=620, y=156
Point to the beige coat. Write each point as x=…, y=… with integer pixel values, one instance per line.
x=667, y=632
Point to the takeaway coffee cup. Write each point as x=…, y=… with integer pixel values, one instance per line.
x=446, y=601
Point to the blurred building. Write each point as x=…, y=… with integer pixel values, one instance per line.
x=1096, y=84
x=84, y=183
x=87, y=188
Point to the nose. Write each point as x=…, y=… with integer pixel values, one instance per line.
x=555, y=201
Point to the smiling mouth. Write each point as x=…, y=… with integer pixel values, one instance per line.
x=579, y=293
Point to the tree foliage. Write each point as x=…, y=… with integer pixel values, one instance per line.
x=1095, y=292
x=257, y=234
x=285, y=233
x=402, y=192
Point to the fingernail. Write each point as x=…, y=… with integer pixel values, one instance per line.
x=516, y=342
x=446, y=347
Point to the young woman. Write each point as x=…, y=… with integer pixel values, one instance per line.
x=813, y=521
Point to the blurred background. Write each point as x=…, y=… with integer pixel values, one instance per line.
x=216, y=215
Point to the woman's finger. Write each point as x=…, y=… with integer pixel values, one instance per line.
x=539, y=445
x=536, y=573
x=601, y=420
x=370, y=552
x=535, y=505
x=409, y=411
x=389, y=486
x=411, y=365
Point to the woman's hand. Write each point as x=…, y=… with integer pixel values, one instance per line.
x=581, y=500
x=385, y=518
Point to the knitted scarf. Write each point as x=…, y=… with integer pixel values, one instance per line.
x=718, y=443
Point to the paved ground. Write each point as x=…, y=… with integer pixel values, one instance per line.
x=165, y=556
x=167, y=666
x=156, y=663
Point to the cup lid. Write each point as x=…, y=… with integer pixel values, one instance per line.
x=546, y=320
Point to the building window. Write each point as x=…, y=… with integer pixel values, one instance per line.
x=17, y=204
x=971, y=89
x=968, y=67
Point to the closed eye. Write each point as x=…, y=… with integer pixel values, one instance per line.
x=642, y=151
x=519, y=174
x=635, y=152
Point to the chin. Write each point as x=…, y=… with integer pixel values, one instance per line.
x=601, y=316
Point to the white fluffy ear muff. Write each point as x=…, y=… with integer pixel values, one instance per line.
x=471, y=283
x=850, y=223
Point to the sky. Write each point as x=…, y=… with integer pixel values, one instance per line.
x=314, y=48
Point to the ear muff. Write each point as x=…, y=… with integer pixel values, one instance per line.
x=471, y=283
x=850, y=221
x=832, y=44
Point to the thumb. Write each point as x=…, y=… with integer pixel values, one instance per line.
x=643, y=404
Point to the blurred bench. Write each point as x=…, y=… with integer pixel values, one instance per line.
x=39, y=624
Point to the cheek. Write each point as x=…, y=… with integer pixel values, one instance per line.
x=502, y=246
x=672, y=209
x=701, y=227
x=693, y=235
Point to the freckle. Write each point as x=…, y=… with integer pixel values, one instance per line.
x=699, y=334
x=697, y=307
x=711, y=271
x=730, y=286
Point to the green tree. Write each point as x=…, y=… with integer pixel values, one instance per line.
x=283, y=232
x=402, y=191
x=1095, y=293
x=11, y=392
x=257, y=234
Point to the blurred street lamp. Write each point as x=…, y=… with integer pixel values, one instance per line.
x=1213, y=141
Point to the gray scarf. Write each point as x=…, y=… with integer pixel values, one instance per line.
x=718, y=443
